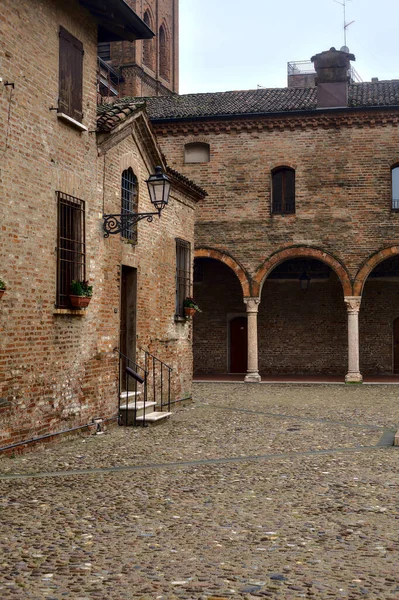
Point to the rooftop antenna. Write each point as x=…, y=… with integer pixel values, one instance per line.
x=346, y=25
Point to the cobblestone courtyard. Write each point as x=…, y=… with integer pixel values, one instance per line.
x=276, y=491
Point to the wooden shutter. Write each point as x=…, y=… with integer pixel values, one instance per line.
x=70, y=75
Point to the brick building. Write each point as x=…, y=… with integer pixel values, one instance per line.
x=61, y=171
x=297, y=242
x=148, y=67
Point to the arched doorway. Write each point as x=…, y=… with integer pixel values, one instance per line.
x=219, y=294
x=379, y=318
x=302, y=320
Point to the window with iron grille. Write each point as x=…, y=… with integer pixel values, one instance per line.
x=71, y=247
x=183, y=264
x=395, y=187
x=129, y=202
x=70, y=76
x=283, y=191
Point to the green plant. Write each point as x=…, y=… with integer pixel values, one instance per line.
x=81, y=288
x=190, y=303
x=2, y=284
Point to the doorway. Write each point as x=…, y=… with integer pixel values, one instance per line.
x=128, y=313
x=396, y=346
x=238, y=345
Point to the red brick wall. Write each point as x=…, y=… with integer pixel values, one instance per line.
x=57, y=369
x=298, y=332
x=154, y=256
x=343, y=185
x=142, y=80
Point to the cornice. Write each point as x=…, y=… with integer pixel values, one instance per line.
x=279, y=123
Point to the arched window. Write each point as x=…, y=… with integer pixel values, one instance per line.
x=283, y=191
x=197, y=152
x=129, y=201
x=164, y=53
x=395, y=187
x=148, y=45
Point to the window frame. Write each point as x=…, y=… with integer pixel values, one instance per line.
x=284, y=205
x=70, y=76
x=164, y=53
x=183, y=275
x=394, y=201
x=71, y=245
x=129, y=202
x=204, y=146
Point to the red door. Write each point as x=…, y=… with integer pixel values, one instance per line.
x=238, y=345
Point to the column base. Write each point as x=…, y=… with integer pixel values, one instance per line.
x=252, y=378
x=353, y=378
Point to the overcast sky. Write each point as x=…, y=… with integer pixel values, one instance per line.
x=224, y=47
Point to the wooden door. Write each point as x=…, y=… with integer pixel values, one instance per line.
x=396, y=346
x=238, y=345
x=128, y=314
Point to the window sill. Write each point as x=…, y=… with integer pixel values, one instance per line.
x=71, y=121
x=77, y=312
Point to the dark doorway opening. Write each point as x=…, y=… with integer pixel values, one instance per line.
x=238, y=345
x=128, y=313
x=396, y=346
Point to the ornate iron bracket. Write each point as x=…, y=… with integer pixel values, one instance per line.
x=117, y=223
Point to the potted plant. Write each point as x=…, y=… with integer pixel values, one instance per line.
x=190, y=307
x=81, y=293
x=2, y=287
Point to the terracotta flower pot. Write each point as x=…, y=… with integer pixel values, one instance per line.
x=189, y=311
x=79, y=301
x=1, y=293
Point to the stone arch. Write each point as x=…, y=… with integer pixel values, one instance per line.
x=299, y=252
x=230, y=262
x=369, y=265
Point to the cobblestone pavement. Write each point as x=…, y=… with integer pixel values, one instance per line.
x=276, y=491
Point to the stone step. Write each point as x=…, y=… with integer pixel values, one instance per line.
x=128, y=411
x=125, y=395
x=154, y=417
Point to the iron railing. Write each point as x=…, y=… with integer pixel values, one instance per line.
x=128, y=383
x=395, y=204
x=149, y=385
x=305, y=67
x=158, y=380
x=108, y=80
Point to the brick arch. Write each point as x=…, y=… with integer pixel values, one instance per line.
x=300, y=252
x=230, y=262
x=369, y=265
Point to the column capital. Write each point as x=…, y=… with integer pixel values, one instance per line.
x=252, y=304
x=353, y=303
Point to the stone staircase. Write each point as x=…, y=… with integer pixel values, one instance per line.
x=134, y=411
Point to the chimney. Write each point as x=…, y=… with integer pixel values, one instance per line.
x=332, y=77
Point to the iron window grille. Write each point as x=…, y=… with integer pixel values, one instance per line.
x=71, y=246
x=283, y=191
x=183, y=281
x=129, y=203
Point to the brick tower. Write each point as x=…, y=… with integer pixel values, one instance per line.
x=150, y=67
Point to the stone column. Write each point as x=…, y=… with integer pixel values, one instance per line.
x=353, y=306
x=252, y=375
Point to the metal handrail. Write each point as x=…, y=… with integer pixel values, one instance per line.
x=135, y=367
x=151, y=362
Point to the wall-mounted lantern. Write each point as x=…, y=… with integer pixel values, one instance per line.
x=158, y=188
